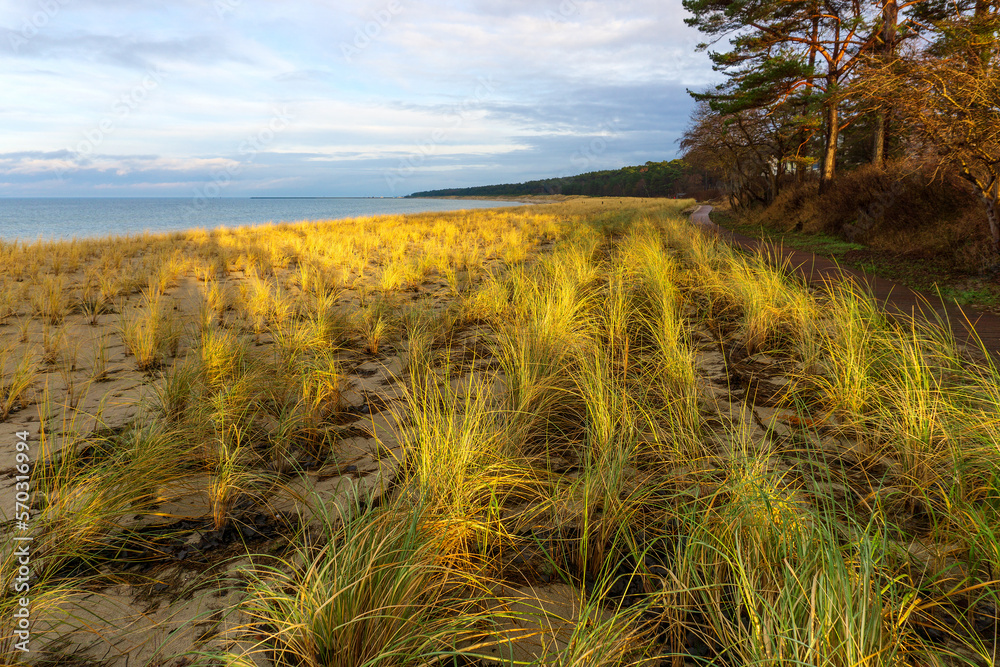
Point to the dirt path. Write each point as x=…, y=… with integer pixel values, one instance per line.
x=895, y=298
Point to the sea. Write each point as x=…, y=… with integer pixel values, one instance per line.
x=31, y=219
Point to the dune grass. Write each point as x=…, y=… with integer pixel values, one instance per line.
x=578, y=434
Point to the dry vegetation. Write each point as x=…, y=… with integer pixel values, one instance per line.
x=577, y=434
x=905, y=207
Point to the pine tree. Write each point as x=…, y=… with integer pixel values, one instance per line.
x=800, y=53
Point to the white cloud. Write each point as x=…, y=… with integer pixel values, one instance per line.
x=558, y=70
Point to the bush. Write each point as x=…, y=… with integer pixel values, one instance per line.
x=904, y=208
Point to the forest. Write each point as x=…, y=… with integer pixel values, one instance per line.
x=670, y=178
x=903, y=94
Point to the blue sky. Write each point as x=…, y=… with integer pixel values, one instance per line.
x=307, y=98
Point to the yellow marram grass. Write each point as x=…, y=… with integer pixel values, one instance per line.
x=555, y=422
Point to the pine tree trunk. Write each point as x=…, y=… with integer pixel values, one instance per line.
x=814, y=37
x=829, y=167
x=878, y=141
x=992, y=214
x=990, y=196
x=890, y=18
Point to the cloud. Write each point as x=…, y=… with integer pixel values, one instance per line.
x=35, y=162
x=121, y=50
x=562, y=77
x=67, y=163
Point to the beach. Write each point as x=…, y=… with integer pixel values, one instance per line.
x=580, y=433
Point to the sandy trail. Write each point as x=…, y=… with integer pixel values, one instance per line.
x=973, y=329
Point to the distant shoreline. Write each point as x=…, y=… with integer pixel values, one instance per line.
x=524, y=199
x=337, y=197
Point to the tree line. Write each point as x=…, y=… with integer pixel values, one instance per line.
x=815, y=86
x=653, y=179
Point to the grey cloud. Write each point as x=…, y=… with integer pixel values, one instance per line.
x=565, y=106
x=119, y=50
x=38, y=155
x=580, y=85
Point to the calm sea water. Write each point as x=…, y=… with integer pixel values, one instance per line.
x=58, y=218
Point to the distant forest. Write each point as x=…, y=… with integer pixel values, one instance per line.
x=653, y=179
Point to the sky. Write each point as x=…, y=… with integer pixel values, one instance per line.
x=235, y=98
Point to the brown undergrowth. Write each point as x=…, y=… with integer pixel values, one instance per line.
x=909, y=223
